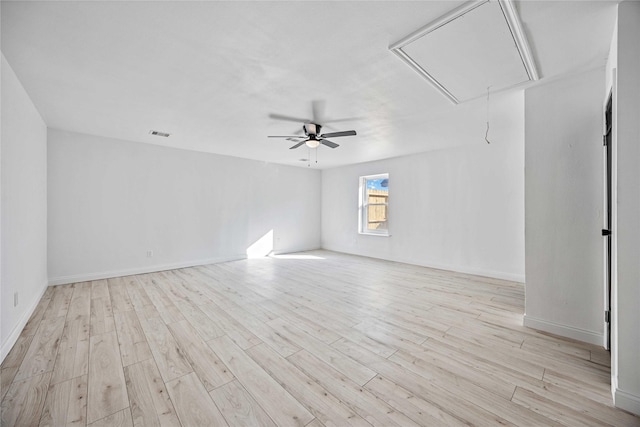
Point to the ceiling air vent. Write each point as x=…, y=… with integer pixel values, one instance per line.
x=158, y=133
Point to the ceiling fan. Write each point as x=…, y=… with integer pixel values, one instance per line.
x=312, y=129
x=313, y=138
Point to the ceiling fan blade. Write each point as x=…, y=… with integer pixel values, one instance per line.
x=329, y=143
x=296, y=139
x=284, y=136
x=337, y=134
x=288, y=118
x=298, y=144
x=346, y=119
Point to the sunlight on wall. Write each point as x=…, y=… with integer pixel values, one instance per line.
x=262, y=247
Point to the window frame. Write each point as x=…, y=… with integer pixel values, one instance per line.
x=363, y=206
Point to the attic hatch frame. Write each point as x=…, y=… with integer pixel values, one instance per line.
x=512, y=20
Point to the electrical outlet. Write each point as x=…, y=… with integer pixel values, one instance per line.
x=15, y=299
x=149, y=254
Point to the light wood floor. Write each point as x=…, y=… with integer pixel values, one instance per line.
x=327, y=339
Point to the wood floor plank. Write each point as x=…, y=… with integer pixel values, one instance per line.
x=102, y=320
x=166, y=308
x=503, y=358
x=191, y=291
x=362, y=402
x=41, y=355
x=193, y=405
x=37, y=315
x=238, y=407
x=204, y=283
x=601, y=357
x=457, y=385
x=66, y=404
x=553, y=410
x=414, y=407
x=355, y=371
x=148, y=312
x=322, y=404
x=80, y=305
x=73, y=354
x=371, y=343
x=357, y=352
x=314, y=329
x=107, y=391
x=169, y=357
x=206, y=364
x=119, y=419
x=234, y=330
x=137, y=295
x=133, y=343
x=555, y=349
x=16, y=355
x=59, y=304
x=606, y=414
x=226, y=286
x=6, y=378
x=24, y=401
x=275, y=400
x=374, y=330
x=120, y=300
x=172, y=291
x=150, y=402
x=206, y=328
x=586, y=389
x=450, y=371
x=489, y=368
x=280, y=343
x=101, y=311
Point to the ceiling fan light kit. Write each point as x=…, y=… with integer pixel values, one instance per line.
x=312, y=143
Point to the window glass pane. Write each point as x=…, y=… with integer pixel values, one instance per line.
x=376, y=198
x=377, y=217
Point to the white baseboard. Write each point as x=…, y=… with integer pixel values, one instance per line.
x=583, y=335
x=449, y=267
x=477, y=272
x=17, y=330
x=63, y=280
x=294, y=250
x=627, y=401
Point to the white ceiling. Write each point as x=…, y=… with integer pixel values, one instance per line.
x=210, y=73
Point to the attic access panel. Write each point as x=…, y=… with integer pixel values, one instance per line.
x=474, y=47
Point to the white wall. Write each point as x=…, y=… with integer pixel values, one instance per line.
x=564, y=207
x=626, y=303
x=23, y=207
x=460, y=209
x=111, y=201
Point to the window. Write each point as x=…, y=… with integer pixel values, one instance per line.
x=374, y=204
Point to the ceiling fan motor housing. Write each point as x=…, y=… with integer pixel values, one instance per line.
x=311, y=129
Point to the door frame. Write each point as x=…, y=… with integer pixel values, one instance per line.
x=607, y=231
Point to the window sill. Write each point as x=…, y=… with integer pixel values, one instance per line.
x=374, y=234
